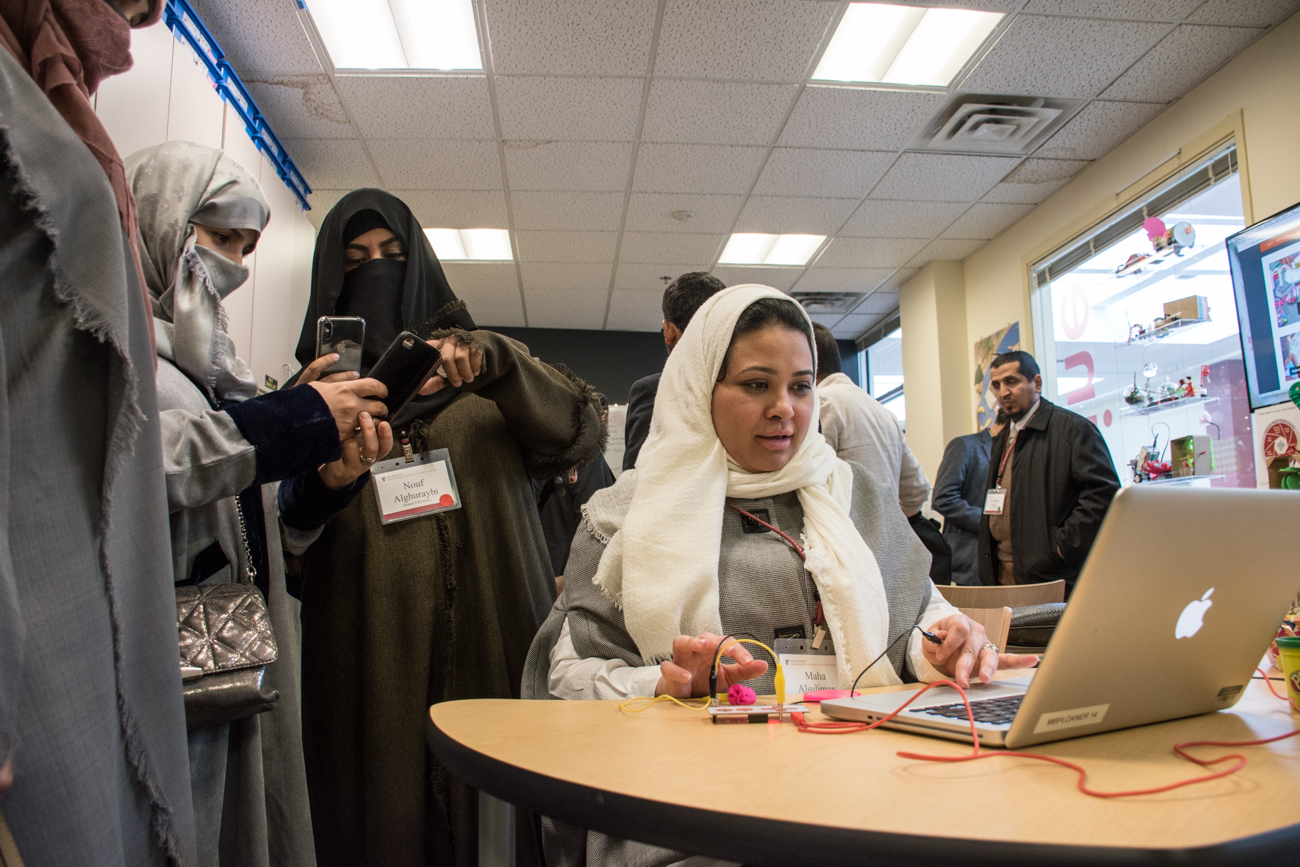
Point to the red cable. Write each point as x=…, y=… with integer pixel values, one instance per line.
x=841, y=727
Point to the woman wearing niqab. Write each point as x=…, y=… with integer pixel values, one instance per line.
x=397, y=617
x=226, y=452
x=91, y=716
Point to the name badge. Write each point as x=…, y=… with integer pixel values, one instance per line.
x=422, y=484
x=994, y=500
x=807, y=669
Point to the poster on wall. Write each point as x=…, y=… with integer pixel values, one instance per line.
x=1277, y=435
x=987, y=349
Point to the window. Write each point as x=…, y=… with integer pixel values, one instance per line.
x=884, y=373
x=1110, y=350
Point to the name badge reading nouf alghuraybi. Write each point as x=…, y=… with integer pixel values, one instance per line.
x=407, y=488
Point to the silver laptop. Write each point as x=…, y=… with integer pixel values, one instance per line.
x=1176, y=603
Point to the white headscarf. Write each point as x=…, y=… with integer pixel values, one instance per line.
x=175, y=184
x=661, y=565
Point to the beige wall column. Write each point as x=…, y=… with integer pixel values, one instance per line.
x=932, y=309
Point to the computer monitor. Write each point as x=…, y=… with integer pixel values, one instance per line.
x=1265, y=263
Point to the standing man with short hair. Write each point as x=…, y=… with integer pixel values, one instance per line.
x=860, y=429
x=682, y=298
x=1051, y=480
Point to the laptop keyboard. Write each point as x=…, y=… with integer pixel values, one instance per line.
x=995, y=711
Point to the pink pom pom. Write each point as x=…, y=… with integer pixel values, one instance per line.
x=739, y=694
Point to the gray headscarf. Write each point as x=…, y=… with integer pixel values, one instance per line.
x=176, y=184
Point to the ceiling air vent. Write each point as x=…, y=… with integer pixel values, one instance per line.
x=827, y=302
x=979, y=123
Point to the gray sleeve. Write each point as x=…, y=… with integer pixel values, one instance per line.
x=12, y=626
x=913, y=486
x=205, y=458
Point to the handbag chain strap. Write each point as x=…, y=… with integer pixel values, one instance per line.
x=250, y=571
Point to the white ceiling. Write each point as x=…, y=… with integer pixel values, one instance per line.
x=597, y=119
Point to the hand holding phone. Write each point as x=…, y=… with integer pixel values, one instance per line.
x=344, y=335
x=404, y=367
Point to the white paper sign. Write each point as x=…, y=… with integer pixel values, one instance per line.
x=406, y=490
x=1070, y=719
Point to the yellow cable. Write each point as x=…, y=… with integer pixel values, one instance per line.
x=651, y=700
x=778, y=679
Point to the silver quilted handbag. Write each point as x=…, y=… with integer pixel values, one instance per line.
x=226, y=643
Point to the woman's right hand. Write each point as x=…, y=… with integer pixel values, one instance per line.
x=312, y=372
x=347, y=400
x=686, y=675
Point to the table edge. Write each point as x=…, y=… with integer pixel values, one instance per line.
x=780, y=842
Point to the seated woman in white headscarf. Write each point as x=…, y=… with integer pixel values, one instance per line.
x=662, y=566
x=246, y=475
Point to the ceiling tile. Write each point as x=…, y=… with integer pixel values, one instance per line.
x=566, y=210
x=1098, y=129
x=777, y=278
x=259, y=37
x=670, y=168
x=899, y=279
x=566, y=308
x=321, y=202
x=857, y=118
x=551, y=275
x=566, y=246
x=544, y=165
x=1181, y=61
x=631, y=310
x=822, y=279
x=486, y=279
x=942, y=178
x=1034, y=180
x=827, y=319
x=437, y=164
x=941, y=250
x=1149, y=10
x=650, y=277
x=713, y=112
x=1261, y=13
x=877, y=303
x=886, y=218
x=844, y=174
x=752, y=40
x=984, y=221
x=985, y=5
x=331, y=163
x=419, y=106
x=652, y=212
x=569, y=109
x=570, y=37
x=854, y=325
x=301, y=106
x=787, y=214
x=1061, y=56
x=457, y=209
x=649, y=247
x=870, y=252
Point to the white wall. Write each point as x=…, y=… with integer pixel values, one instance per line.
x=167, y=97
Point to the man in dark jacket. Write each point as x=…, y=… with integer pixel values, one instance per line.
x=682, y=298
x=958, y=495
x=1051, y=480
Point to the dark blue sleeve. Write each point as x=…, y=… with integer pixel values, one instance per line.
x=948, y=498
x=293, y=431
x=306, y=502
x=640, y=409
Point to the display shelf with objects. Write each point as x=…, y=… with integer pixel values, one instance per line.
x=1176, y=403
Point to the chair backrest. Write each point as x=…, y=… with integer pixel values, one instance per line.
x=996, y=623
x=1012, y=596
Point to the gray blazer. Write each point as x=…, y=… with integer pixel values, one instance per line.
x=958, y=495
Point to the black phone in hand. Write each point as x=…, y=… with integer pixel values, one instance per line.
x=404, y=367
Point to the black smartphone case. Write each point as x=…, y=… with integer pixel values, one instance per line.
x=404, y=367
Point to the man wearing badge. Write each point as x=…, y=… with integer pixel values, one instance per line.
x=1051, y=480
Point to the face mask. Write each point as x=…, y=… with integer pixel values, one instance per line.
x=225, y=275
x=373, y=291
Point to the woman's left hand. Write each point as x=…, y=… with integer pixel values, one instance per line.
x=966, y=649
x=461, y=362
x=359, y=453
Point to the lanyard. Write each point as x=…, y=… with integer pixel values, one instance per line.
x=818, y=617
x=1012, y=439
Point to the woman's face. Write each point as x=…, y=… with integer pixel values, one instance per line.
x=234, y=244
x=762, y=407
x=375, y=244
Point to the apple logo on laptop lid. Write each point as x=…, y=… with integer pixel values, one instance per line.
x=1190, y=621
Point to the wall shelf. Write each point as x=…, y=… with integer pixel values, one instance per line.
x=1169, y=404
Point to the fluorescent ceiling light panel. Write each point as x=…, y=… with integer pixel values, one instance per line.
x=875, y=42
x=471, y=245
x=398, y=34
x=751, y=248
